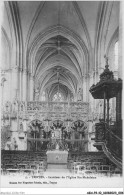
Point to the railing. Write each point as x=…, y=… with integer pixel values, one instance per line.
x=112, y=142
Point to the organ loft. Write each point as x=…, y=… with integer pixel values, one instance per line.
x=61, y=86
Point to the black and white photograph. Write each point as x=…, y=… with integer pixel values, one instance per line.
x=61, y=96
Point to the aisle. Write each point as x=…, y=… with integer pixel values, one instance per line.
x=57, y=168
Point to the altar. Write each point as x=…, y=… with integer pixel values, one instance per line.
x=57, y=157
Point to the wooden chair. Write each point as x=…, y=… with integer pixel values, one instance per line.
x=104, y=170
x=22, y=167
x=115, y=172
x=94, y=169
x=81, y=169
x=70, y=164
x=41, y=167
x=9, y=166
x=75, y=166
x=97, y=163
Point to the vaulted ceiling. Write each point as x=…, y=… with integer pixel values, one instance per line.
x=58, y=40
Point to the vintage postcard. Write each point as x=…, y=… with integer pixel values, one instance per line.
x=61, y=97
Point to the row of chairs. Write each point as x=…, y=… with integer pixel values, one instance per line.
x=94, y=168
x=93, y=161
x=36, y=167
x=86, y=155
x=22, y=162
x=105, y=170
x=88, y=158
x=19, y=157
x=11, y=158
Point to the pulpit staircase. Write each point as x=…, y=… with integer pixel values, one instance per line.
x=109, y=142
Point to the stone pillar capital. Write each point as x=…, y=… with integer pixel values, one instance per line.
x=91, y=75
x=15, y=68
x=31, y=76
x=20, y=69
x=86, y=75
x=25, y=71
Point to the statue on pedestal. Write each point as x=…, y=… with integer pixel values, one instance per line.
x=57, y=146
x=37, y=92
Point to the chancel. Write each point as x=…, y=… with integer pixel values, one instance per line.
x=61, y=86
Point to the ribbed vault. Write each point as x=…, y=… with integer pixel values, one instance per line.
x=58, y=60
x=44, y=39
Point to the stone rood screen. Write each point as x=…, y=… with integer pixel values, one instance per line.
x=57, y=106
x=42, y=109
x=60, y=109
x=28, y=111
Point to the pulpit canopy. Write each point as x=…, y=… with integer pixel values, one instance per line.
x=107, y=85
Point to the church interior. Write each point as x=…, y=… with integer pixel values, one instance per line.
x=61, y=87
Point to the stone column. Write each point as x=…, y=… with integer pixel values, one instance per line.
x=119, y=95
x=2, y=90
x=97, y=77
x=121, y=17
x=24, y=85
x=87, y=86
x=28, y=87
x=31, y=87
x=20, y=84
x=14, y=83
x=84, y=89
x=91, y=99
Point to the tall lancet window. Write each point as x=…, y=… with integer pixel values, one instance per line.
x=116, y=56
